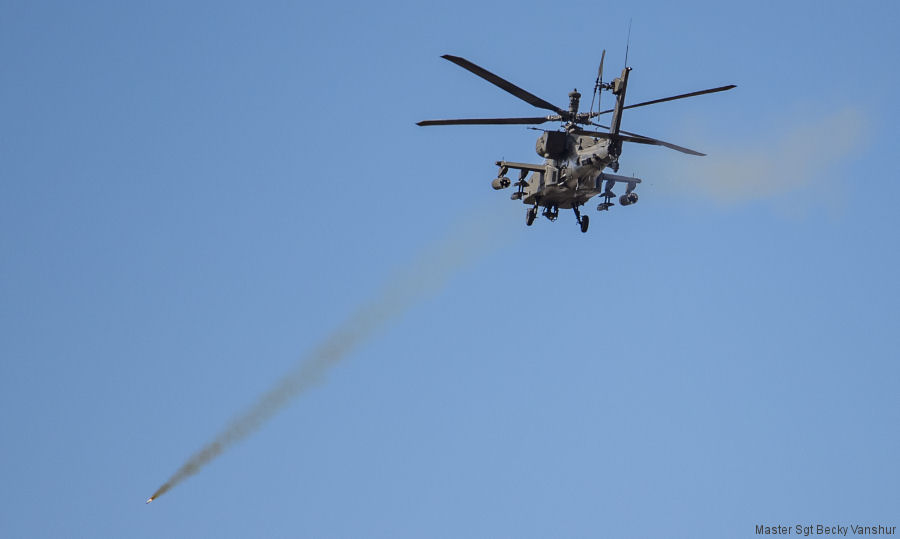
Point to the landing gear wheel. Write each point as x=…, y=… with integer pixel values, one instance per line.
x=585, y=221
x=530, y=214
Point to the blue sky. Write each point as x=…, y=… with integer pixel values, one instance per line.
x=192, y=197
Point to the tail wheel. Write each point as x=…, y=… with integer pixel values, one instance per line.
x=530, y=214
x=585, y=221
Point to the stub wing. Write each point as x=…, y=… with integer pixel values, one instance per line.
x=522, y=166
x=617, y=178
x=606, y=182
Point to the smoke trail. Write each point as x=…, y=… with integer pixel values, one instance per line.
x=774, y=163
x=427, y=275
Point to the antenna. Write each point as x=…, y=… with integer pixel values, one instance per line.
x=628, y=43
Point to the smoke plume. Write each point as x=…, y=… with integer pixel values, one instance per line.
x=425, y=276
x=777, y=162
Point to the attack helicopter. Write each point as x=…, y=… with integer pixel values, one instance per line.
x=574, y=158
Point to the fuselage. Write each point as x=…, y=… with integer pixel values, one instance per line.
x=574, y=177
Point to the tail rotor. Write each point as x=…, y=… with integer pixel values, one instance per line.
x=598, y=86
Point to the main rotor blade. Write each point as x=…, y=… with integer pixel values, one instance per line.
x=488, y=121
x=674, y=97
x=504, y=84
x=640, y=139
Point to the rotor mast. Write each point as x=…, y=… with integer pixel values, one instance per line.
x=574, y=98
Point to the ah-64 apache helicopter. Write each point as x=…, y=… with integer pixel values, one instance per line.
x=572, y=172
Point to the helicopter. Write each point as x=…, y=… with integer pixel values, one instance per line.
x=574, y=158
